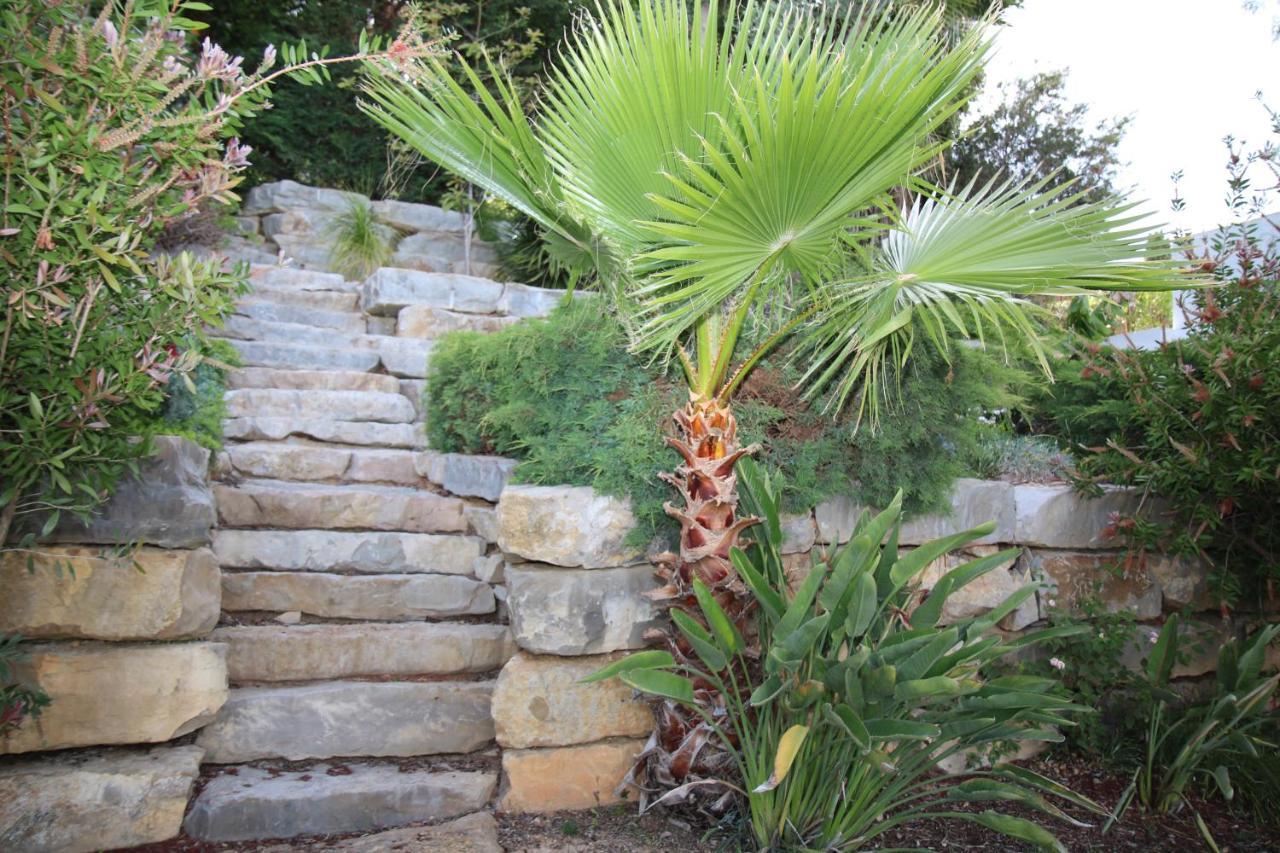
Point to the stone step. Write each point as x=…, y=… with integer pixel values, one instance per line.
x=399, y=356
x=318, y=300
x=311, y=404
x=264, y=653
x=390, y=289
x=341, y=551
x=299, y=279
x=350, y=719
x=333, y=432
x=308, y=380
x=475, y=833
x=318, y=462
x=302, y=356
x=371, y=597
x=261, y=803
x=269, y=311
x=280, y=504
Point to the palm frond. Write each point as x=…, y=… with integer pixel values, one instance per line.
x=962, y=265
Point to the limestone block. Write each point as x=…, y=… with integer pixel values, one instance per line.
x=350, y=718
x=100, y=800
x=338, y=432
x=104, y=695
x=474, y=833
x=276, y=503
x=521, y=300
x=466, y=475
x=483, y=522
x=297, y=280
x=311, y=403
x=384, y=597
x=1055, y=516
x=341, y=551
x=983, y=594
x=300, y=222
x=566, y=526
x=389, y=290
x=265, y=803
x=408, y=217
x=1199, y=642
x=1184, y=581
x=570, y=777
x=312, y=652
x=404, y=357
x=149, y=594
x=798, y=533
x=491, y=568
x=288, y=195
x=539, y=701
x=836, y=518
x=317, y=380
x=436, y=247
x=167, y=504
x=414, y=390
x=1073, y=576
x=576, y=612
x=266, y=311
x=303, y=356
x=307, y=462
x=973, y=502
x=423, y=321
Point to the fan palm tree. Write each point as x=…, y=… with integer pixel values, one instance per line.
x=705, y=170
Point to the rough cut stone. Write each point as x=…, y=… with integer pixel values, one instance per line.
x=798, y=533
x=973, y=502
x=1055, y=516
x=380, y=325
x=566, y=526
x=257, y=803
x=576, y=612
x=311, y=403
x=521, y=300
x=101, y=800
x=301, y=222
x=474, y=833
x=338, y=432
x=491, y=568
x=310, y=652
x=168, y=503
x=307, y=380
x=1183, y=580
x=389, y=289
x=469, y=476
x=483, y=521
x=357, y=596
x=150, y=594
x=288, y=195
x=414, y=390
x=103, y=695
x=540, y=701
x=570, y=777
x=1199, y=642
x=982, y=595
x=275, y=503
x=447, y=247
x=401, y=356
x=303, y=357
x=318, y=300
x=423, y=321
x=350, y=718
x=408, y=217
x=339, y=551
x=291, y=278
x=1075, y=576
x=277, y=312
x=307, y=462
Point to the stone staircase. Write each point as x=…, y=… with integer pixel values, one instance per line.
x=362, y=633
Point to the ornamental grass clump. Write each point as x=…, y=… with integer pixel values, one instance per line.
x=837, y=703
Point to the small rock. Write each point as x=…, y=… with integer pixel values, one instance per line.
x=291, y=617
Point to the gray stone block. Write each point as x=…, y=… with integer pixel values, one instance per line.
x=389, y=290
x=280, y=504
x=1056, y=516
x=309, y=462
x=100, y=800
x=382, y=597
x=319, y=380
x=566, y=526
x=289, y=195
x=338, y=432
x=256, y=803
x=350, y=718
x=311, y=403
x=468, y=476
x=288, y=356
x=408, y=217
x=580, y=612
x=269, y=311
x=474, y=833
x=342, y=551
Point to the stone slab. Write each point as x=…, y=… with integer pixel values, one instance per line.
x=540, y=701
x=566, y=526
x=275, y=460
x=409, y=217
x=313, y=403
x=148, y=594
x=120, y=693
x=257, y=803
x=289, y=195
x=350, y=718
x=262, y=653
x=318, y=300
x=521, y=300
x=302, y=357
x=279, y=504
x=427, y=323
x=100, y=800
x=470, y=476
x=389, y=290
x=973, y=502
x=294, y=279
x=578, y=612
x=474, y=833
x=318, y=380
x=340, y=551
x=379, y=597
x=483, y=522
x=168, y=503
x=265, y=310
x=1056, y=516
x=337, y=432
x=570, y=777
x=1123, y=586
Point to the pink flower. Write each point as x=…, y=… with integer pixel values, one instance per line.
x=173, y=66
x=1057, y=663
x=216, y=64
x=110, y=33
x=268, y=57
x=237, y=155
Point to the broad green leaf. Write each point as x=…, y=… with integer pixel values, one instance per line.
x=1222, y=776
x=911, y=564
x=701, y=641
x=657, y=682
x=725, y=631
x=654, y=659
x=885, y=729
x=802, y=605
x=938, y=687
x=862, y=606
x=1019, y=828
x=765, y=594
x=1164, y=655
x=846, y=719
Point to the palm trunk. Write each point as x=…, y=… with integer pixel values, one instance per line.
x=684, y=749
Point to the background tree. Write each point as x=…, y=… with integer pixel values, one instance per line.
x=1034, y=133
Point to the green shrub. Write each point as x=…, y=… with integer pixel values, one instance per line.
x=1004, y=455
x=564, y=397
x=194, y=404
x=18, y=701
x=838, y=709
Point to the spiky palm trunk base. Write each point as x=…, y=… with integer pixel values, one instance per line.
x=684, y=754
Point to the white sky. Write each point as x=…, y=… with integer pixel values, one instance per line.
x=1186, y=70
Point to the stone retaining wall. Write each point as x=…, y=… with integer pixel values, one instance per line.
x=575, y=596
x=121, y=651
